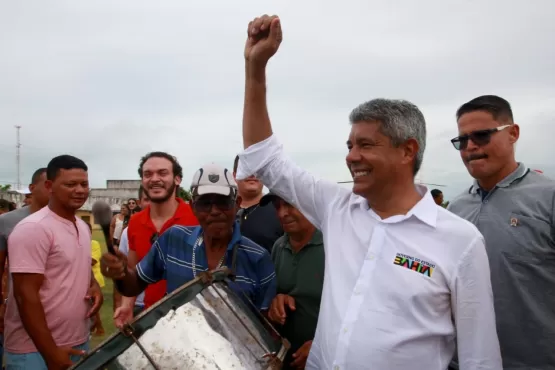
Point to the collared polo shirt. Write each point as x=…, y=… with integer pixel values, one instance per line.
x=398, y=292
x=141, y=234
x=47, y=244
x=300, y=275
x=517, y=220
x=171, y=258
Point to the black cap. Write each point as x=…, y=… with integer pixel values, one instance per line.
x=268, y=198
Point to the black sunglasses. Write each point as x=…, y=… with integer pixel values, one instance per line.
x=153, y=238
x=480, y=138
x=205, y=204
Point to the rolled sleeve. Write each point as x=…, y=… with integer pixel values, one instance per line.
x=268, y=282
x=152, y=268
x=473, y=311
x=267, y=161
x=29, y=245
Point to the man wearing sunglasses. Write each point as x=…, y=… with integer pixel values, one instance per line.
x=513, y=208
x=181, y=253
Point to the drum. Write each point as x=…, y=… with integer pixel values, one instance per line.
x=202, y=325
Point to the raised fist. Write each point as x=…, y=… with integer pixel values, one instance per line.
x=264, y=38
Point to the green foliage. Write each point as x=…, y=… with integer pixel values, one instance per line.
x=5, y=187
x=184, y=194
x=445, y=204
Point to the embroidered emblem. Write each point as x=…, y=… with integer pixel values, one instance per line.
x=414, y=264
x=213, y=178
x=514, y=221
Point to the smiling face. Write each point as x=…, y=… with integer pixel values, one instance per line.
x=216, y=214
x=485, y=161
x=158, y=179
x=292, y=221
x=373, y=161
x=70, y=188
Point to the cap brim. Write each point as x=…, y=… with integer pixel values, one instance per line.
x=25, y=191
x=268, y=198
x=213, y=189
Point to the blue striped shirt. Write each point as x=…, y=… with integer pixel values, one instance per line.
x=171, y=258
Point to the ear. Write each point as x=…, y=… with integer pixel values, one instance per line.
x=410, y=150
x=32, y=187
x=514, y=133
x=238, y=201
x=48, y=185
x=177, y=180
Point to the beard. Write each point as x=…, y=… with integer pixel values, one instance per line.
x=170, y=192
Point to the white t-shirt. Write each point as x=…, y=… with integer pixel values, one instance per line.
x=124, y=248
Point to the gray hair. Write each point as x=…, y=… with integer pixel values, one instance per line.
x=400, y=120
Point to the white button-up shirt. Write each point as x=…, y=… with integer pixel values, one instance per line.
x=401, y=292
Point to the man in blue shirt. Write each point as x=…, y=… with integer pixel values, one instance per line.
x=181, y=253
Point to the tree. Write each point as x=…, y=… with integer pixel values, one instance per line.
x=184, y=194
x=6, y=187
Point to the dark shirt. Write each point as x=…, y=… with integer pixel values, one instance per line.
x=261, y=225
x=300, y=275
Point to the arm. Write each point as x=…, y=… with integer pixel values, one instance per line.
x=27, y=264
x=473, y=312
x=125, y=248
x=264, y=155
x=150, y=270
x=3, y=254
x=112, y=227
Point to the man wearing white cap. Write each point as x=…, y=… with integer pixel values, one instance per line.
x=28, y=196
x=181, y=253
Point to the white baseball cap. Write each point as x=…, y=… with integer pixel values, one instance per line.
x=25, y=191
x=213, y=179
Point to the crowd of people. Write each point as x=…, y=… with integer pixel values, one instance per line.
x=382, y=276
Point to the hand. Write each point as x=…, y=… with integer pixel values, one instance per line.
x=277, y=309
x=61, y=360
x=114, y=266
x=94, y=294
x=264, y=37
x=301, y=355
x=122, y=316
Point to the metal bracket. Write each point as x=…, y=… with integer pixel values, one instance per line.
x=129, y=331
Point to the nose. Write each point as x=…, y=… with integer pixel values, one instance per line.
x=470, y=146
x=353, y=155
x=81, y=189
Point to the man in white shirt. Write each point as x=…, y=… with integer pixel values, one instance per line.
x=405, y=281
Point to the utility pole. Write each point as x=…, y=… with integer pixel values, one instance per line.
x=18, y=159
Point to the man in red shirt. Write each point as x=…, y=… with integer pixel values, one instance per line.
x=161, y=176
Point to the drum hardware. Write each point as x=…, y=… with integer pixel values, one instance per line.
x=129, y=331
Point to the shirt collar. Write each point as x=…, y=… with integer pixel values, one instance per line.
x=235, y=238
x=517, y=174
x=179, y=212
x=316, y=240
x=425, y=209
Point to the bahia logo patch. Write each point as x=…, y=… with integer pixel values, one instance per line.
x=414, y=264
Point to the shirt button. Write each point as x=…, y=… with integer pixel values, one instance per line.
x=344, y=330
x=336, y=367
x=370, y=257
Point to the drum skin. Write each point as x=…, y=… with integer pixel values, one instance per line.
x=202, y=325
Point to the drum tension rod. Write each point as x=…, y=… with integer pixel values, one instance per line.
x=128, y=330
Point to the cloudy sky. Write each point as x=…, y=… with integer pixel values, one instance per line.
x=108, y=80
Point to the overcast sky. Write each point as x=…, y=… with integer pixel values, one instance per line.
x=108, y=80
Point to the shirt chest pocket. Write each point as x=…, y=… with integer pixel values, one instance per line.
x=529, y=239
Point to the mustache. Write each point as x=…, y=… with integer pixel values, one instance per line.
x=472, y=157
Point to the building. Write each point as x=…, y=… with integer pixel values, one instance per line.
x=115, y=193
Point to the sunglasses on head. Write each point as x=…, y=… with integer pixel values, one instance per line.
x=153, y=238
x=480, y=137
x=205, y=204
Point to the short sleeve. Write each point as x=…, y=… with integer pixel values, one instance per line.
x=96, y=252
x=268, y=282
x=130, y=237
x=28, y=248
x=152, y=268
x=3, y=243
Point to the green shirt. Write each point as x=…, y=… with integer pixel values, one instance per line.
x=300, y=275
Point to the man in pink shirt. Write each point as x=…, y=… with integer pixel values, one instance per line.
x=49, y=304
